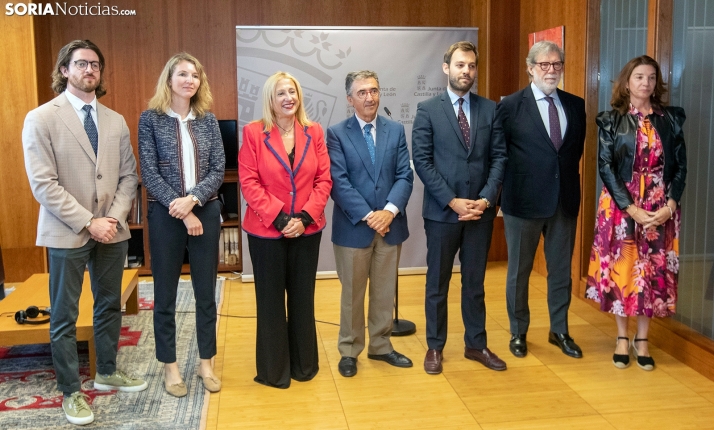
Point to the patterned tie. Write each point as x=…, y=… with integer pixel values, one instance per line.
x=91, y=128
x=464, y=124
x=555, y=135
x=370, y=140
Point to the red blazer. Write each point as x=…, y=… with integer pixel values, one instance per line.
x=269, y=185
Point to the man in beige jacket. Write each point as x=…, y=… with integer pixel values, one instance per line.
x=82, y=171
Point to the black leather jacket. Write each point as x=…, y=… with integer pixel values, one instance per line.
x=617, y=134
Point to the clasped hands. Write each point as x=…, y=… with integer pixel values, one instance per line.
x=294, y=228
x=467, y=209
x=102, y=229
x=380, y=221
x=649, y=219
x=182, y=208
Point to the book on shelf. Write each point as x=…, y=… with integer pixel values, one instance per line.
x=221, y=249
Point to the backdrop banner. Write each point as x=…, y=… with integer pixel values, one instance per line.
x=407, y=60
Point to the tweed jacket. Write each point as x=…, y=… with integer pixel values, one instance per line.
x=161, y=159
x=72, y=184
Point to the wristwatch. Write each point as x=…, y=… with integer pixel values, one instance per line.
x=88, y=224
x=194, y=199
x=488, y=204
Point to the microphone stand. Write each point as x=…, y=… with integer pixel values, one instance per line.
x=399, y=327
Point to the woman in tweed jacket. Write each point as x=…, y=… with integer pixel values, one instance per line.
x=182, y=164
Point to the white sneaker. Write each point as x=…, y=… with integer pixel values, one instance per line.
x=119, y=381
x=76, y=409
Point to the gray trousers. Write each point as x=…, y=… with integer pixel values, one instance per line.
x=522, y=238
x=378, y=262
x=106, y=267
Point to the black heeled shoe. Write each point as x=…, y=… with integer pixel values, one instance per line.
x=644, y=363
x=621, y=361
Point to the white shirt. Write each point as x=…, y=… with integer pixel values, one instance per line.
x=78, y=104
x=187, y=150
x=389, y=206
x=466, y=106
x=543, y=109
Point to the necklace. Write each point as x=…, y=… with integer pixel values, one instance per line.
x=285, y=132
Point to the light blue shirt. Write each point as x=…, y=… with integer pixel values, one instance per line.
x=466, y=106
x=543, y=109
x=390, y=207
x=78, y=104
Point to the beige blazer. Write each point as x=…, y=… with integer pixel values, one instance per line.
x=71, y=184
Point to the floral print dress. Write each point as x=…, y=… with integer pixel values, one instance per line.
x=634, y=271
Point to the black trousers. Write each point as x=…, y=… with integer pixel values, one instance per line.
x=168, y=239
x=471, y=240
x=286, y=345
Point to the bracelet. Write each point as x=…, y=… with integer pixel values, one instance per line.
x=671, y=212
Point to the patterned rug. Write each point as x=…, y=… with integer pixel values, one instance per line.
x=29, y=398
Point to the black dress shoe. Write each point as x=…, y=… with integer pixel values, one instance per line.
x=518, y=345
x=566, y=344
x=347, y=367
x=394, y=358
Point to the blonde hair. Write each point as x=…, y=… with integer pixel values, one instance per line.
x=269, y=118
x=200, y=102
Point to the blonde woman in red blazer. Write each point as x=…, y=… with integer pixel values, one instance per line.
x=285, y=179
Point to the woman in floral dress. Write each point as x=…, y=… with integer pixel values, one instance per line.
x=634, y=262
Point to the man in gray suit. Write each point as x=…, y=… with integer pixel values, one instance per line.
x=82, y=171
x=461, y=168
x=544, y=132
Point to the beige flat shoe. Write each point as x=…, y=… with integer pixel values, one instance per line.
x=176, y=390
x=211, y=383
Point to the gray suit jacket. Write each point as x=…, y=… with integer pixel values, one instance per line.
x=71, y=184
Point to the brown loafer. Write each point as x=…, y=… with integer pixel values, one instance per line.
x=176, y=390
x=211, y=383
x=485, y=357
x=432, y=362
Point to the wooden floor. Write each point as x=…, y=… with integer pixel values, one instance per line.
x=545, y=390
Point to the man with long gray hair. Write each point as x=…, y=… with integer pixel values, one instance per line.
x=544, y=131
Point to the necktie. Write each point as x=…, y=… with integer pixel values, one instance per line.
x=464, y=124
x=555, y=135
x=370, y=140
x=91, y=128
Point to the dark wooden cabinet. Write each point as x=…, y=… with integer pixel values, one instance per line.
x=139, y=255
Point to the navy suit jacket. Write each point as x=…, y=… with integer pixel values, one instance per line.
x=359, y=186
x=537, y=176
x=444, y=165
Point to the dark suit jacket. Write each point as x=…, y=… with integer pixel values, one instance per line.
x=537, y=176
x=443, y=164
x=359, y=186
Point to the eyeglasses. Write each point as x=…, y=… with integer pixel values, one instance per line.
x=557, y=66
x=82, y=65
x=362, y=94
